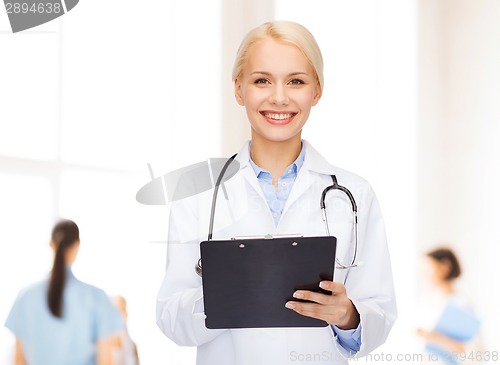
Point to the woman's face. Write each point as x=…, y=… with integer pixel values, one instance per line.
x=434, y=270
x=278, y=87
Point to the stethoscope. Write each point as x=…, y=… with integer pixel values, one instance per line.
x=334, y=186
x=346, y=191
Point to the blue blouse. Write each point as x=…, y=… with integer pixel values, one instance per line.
x=88, y=316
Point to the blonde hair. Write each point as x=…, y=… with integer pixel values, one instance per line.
x=282, y=31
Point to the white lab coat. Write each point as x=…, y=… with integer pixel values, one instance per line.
x=180, y=312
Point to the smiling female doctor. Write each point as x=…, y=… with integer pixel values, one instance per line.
x=278, y=77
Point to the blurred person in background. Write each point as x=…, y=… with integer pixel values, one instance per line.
x=125, y=349
x=61, y=320
x=449, y=326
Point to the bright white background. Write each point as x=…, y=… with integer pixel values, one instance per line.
x=86, y=101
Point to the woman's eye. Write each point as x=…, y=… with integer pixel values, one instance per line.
x=260, y=81
x=296, y=82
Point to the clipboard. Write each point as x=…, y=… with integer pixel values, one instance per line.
x=458, y=323
x=246, y=282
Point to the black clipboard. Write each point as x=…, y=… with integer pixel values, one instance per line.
x=246, y=282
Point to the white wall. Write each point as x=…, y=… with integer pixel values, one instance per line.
x=458, y=155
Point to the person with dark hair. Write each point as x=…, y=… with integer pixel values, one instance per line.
x=456, y=325
x=448, y=265
x=61, y=320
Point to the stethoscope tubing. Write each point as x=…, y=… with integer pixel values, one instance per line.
x=336, y=186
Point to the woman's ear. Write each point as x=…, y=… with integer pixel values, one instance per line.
x=237, y=93
x=317, y=96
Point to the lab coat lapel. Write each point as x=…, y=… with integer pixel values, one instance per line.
x=246, y=170
x=249, y=175
x=303, y=182
x=313, y=163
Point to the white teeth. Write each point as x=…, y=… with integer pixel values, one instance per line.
x=278, y=116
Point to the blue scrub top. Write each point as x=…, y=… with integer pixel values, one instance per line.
x=88, y=316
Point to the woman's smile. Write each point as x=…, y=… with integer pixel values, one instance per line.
x=278, y=118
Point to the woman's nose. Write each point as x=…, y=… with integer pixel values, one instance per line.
x=279, y=95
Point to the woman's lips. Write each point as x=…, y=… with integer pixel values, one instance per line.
x=278, y=118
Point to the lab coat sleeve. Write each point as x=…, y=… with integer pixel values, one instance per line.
x=179, y=307
x=370, y=286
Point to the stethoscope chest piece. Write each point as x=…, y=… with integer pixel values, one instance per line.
x=197, y=268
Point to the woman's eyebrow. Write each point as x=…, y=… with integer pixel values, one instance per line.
x=269, y=74
x=298, y=73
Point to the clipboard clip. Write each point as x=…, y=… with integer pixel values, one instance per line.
x=267, y=236
x=198, y=267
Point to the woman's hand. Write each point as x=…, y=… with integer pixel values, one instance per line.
x=105, y=349
x=19, y=358
x=336, y=309
x=441, y=340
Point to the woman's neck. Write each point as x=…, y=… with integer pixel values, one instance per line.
x=274, y=157
x=447, y=287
